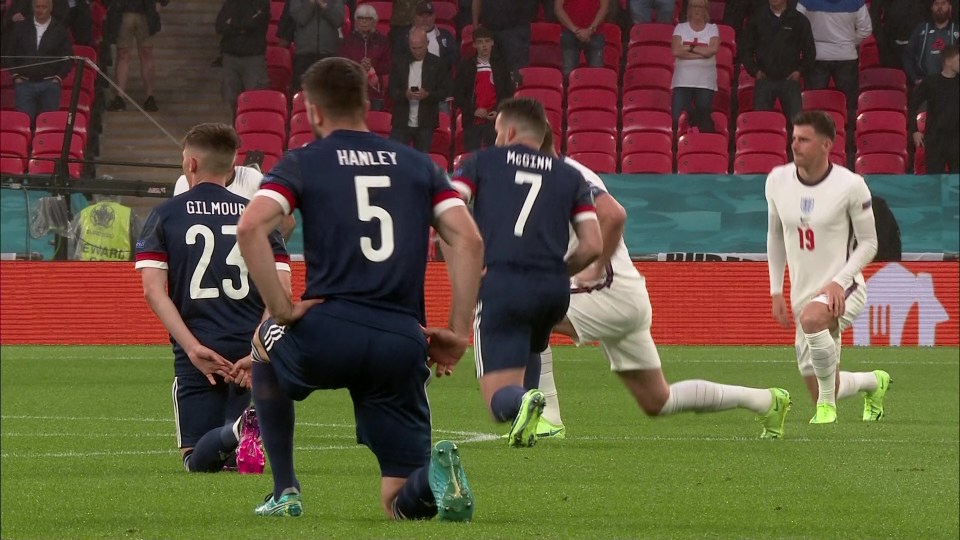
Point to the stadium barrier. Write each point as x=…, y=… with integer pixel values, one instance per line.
x=725, y=303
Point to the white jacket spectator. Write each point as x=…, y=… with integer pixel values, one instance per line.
x=838, y=26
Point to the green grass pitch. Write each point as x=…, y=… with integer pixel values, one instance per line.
x=88, y=451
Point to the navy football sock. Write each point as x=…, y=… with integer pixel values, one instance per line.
x=415, y=500
x=276, y=416
x=505, y=403
x=531, y=377
x=212, y=450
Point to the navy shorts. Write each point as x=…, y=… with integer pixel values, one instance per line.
x=199, y=407
x=516, y=313
x=379, y=356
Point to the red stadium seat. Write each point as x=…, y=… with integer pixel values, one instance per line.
x=882, y=142
x=597, y=162
x=869, y=53
x=757, y=162
x=262, y=100
x=12, y=165
x=56, y=122
x=384, y=9
x=87, y=52
x=592, y=99
x=725, y=63
x=825, y=100
x=14, y=151
x=920, y=160
x=745, y=91
x=279, y=68
x=646, y=163
x=261, y=122
x=702, y=143
x=647, y=142
x=882, y=100
x=16, y=122
x=591, y=120
x=299, y=103
x=541, y=77
x=922, y=122
x=647, y=99
x=649, y=121
x=647, y=77
x=878, y=78
x=881, y=121
x=728, y=36
x=272, y=38
x=651, y=33
x=880, y=163
x=52, y=143
x=380, y=122
x=545, y=33
x=298, y=140
x=770, y=143
x=651, y=55
x=591, y=141
x=440, y=160
x=545, y=55
x=702, y=164
x=300, y=123
x=445, y=13
x=838, y=156
x=268, y=143
x=592, y=78
x=46, y=164
x=552, y=100
x=761, y=122
x=612, y=36
x=719, y=124
x=276, y=10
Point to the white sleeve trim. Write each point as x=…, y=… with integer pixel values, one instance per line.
x=147, y=263
x=585, y=216
x=445, y=205
x=283, y=267
x=281, y=200
x=463, y=189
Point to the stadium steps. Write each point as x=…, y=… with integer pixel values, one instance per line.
x=187, y=90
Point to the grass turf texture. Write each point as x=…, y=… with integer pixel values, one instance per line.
x=88, y=451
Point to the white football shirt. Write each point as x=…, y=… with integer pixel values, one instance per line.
x=246, y=182
x=812, y=228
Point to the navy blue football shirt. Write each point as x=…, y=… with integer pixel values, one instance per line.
x=367, y=205
x=524, y=203
x=194, y=237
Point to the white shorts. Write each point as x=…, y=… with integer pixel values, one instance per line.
x=853, y=305
x=619, y=317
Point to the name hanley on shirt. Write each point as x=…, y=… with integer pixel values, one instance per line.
x=530, y=161
x=213, y=208
x=361, y=158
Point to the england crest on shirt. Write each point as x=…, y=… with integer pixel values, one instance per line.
x=806, y=205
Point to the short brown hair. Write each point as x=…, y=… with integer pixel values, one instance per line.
x=218, y=142
x=526, y=113
x=338, y=86
x=821, y=122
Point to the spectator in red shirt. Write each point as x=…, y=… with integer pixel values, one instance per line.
x=483, y=81
x=580, y=20
x=370, y=49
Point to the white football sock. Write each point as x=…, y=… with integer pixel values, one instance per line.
x=823, y=356
x=706, y=396
x=852, y=383
x=551, y=413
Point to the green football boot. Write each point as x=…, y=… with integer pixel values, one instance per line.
x=288, y=505
x=826, y=414
x=448, y=483
x=524, y=429
x=873, y=401
x=549, y=430
x=773, y=420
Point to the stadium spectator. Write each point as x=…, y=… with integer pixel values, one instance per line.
x=645, y=11
x=941, y=92
x=580, y=19
x=242, y=25
x=617, y=313
x=418, y=84
x=737, y=13
x=440, y=42
x=368, y=47
x=132, y=23
x=838, y=29
x=359, y=325
x=37, y=79
x=827, y=289
x=210, y=327
x=893, y=22
x=104, y=231
x=286, y=27
x=695, y=46
x=776, y=49
x=921, y=57
x=316, y=35
x=509, y=20
x=401, y=20
x=482, y=82
x=74, y=14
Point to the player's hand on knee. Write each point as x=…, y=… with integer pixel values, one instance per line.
x=297, y=312
x=780, y=312
x=836, y=301
x=445, y=348
x=210, y=363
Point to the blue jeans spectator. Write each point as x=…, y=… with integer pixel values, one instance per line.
x=767, y=91
x=698, y=102
x=642, y=10
x=571, y=47
x=37, y=97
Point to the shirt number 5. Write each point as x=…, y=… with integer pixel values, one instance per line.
x=369, y=212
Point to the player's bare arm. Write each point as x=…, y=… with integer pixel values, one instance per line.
x=464, y=256
x=589, y=245
x=612, y=218
x=207, y=361
x=261, y=217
